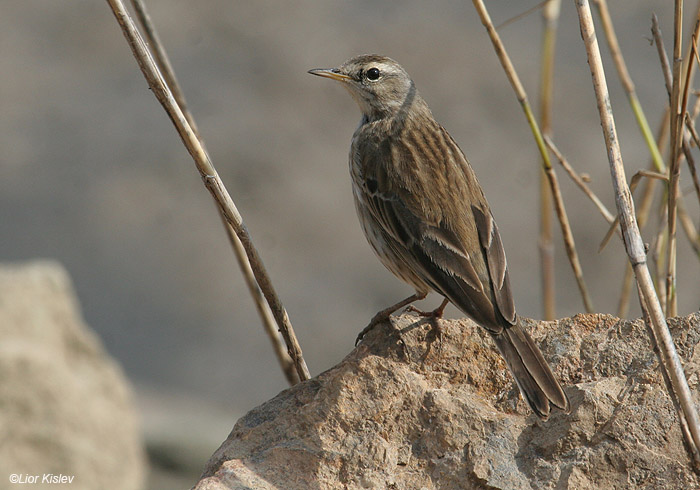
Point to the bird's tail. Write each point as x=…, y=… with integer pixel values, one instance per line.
x=530, y=370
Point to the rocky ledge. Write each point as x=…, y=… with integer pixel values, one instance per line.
x=408, y=409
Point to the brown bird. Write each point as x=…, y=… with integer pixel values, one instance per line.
x=425, y=215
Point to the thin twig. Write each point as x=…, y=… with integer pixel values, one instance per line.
x=522, y=15
x=632, y=238
x=685, y=431
x=285, y=362
x=690, y=160
x=696, y=106
x=691, y=163
x=663, y=57
x=522, y=98
x=550, y=17
x=627, y=82
x=643, y=210
x=657, y=158
x=210, y=177
x=628, y=85
x=609, y=217
x=660, y=242
x=691, y=47
x=687, y=224
x=665, y=68
x=633, y=185
x=674, y=170
x=162, y=60
x=689, y=228
x=659, y=253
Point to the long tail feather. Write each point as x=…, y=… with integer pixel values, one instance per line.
x=530, y=370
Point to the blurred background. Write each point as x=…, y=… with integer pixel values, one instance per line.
x=93, y=174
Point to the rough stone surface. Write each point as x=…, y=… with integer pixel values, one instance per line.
x=65, y=406
x=409, y=410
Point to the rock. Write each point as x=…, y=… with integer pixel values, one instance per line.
x=65, y=406
x=409, y=410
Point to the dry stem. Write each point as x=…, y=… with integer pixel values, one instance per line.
x=609, y=217
x=686, y=149
x=632, y=238
x=687, y=224
x=633, y=185
x=210, y=177
x=685, y=431
x=522, y=98
x=643, y=211
x=627, y=82
x=165, y=67
x=674, y=166
x=550, y=16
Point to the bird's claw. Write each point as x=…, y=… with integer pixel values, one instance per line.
x=437, y=313
x=376, y=320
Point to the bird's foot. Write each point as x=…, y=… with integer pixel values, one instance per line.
x=435, y=333
x=436, y=313
x=380, y=317
x=385, y=314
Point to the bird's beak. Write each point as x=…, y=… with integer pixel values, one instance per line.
x=332, y=73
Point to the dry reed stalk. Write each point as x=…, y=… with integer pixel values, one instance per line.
x=687, y=224
x=674, y=170
x=211, y=179
x=550, y=17
x=578, y=180
x=685, y=430
x=549, y=171
x=627, y=83
x=686, y=149
x=643, y=211
x=689, y=228
x=630, y=231
x=633, y=185
x=162, y=60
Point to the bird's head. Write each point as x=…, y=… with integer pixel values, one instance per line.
x=378, y=84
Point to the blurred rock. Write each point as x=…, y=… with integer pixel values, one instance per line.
x=180, y=431
x=406, y=410
x=65, y=405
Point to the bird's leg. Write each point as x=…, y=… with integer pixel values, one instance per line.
x=386, y=313
x=434, y=316
x=436, y=313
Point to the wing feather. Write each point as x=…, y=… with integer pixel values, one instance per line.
x=428, y=221
x=491, y=243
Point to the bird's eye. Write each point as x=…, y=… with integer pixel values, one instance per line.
x=373, y=74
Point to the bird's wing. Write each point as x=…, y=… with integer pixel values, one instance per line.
x=429, y=221
x=437, y=255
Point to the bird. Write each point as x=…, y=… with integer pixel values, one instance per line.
x=426, y=217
